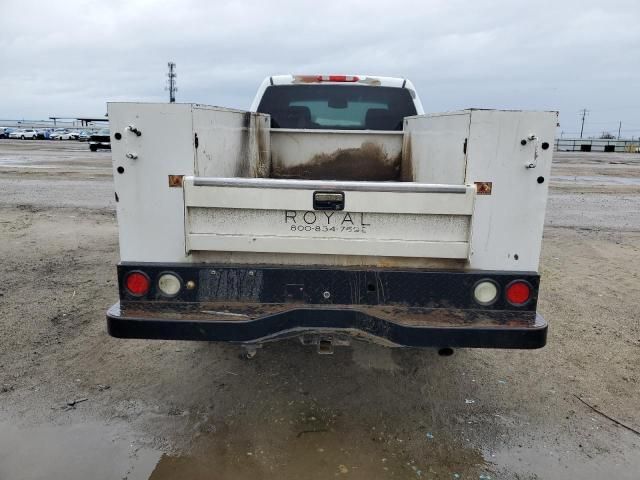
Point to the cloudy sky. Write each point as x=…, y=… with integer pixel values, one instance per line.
x=68, y=58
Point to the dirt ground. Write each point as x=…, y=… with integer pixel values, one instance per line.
x=78, y=404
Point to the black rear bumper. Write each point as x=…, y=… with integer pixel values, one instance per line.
x=247, y=304
x=413, y=328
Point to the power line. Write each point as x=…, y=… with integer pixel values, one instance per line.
x=584, y=114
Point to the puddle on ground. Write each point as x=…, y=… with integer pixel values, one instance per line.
x=69, y=452
x=61, y=162
x=315, y=448
x=566, y=462
x=370, y=356
x=321, y=447
x=26, y=167
x=596, y=179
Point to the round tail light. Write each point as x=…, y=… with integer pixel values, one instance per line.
x=485, y=292
x=169, y=284
x=137, y=283
x=518, y=292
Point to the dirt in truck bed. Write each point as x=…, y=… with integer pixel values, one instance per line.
x=77, y=404
x=368, y=163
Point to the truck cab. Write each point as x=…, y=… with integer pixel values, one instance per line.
x=393, y=96
x=334, y=209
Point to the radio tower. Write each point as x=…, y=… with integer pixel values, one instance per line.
x=171, y=82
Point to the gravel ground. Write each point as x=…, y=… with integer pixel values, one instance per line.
x=78, y=404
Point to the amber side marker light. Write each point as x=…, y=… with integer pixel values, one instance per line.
x=137, y=283
x=518, y=293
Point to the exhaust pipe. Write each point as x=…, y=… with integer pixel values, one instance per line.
x=445, y=352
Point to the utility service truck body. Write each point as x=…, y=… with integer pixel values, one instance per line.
x=334, y=209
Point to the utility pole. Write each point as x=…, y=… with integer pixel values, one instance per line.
x=171, y=82
x=584, y=114
x=619, y=128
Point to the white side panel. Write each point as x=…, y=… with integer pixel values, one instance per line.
x=231, y=143
x=150, y=214
x=507, y=225
x=434, y=148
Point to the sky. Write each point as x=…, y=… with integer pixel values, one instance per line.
x=69, y=58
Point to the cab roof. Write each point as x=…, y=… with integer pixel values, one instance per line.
x=369, y=80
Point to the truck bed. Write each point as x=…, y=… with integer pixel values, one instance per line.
x=234, y=231
x=202, y=183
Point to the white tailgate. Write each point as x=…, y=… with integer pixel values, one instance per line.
x=379, y=218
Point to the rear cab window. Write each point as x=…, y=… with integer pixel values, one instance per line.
x=337, y=107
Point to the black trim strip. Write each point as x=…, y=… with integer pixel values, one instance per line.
x=328, y=286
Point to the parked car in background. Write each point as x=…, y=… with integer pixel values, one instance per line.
x=84, y=136
x=43, y=134
x=24, y=133
x=100, y=140
x=64, y=135
x=5, y=131
x=53, y=135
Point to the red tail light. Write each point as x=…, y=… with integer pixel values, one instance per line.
x=337, y=78
x=327, y=78
x=137, y=283
x=518, y=292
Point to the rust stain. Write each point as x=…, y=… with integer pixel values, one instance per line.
x=406, y=167
x=305, y=79
x=263, y=165
x=484, y=188
x=445, y=263
x=450, y=317
x=175, y=180
x=243, y=167
x=229, y=311
x=368, y=163
x=254, y=151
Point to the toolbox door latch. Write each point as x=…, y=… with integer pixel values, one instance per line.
x=328, y=200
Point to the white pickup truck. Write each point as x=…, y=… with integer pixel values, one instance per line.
x=334, y=209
